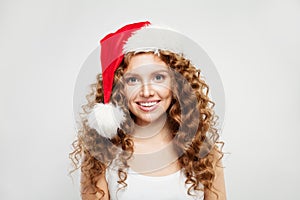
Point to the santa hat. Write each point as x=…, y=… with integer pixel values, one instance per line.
x=106, y=118
x=137, y=37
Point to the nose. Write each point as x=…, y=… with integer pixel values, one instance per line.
x=146, y=90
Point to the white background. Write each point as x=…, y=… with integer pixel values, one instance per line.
x=254, y=44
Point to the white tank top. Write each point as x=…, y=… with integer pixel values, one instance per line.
x=141, y=187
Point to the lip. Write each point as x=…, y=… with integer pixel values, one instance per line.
x=147, y=108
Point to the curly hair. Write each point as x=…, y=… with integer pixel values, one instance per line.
x=196, y=142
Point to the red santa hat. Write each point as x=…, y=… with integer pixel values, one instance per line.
x=112, y=54
x=107, y=118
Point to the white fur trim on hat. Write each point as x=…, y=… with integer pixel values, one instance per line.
x=106, y=119
x=152, y=38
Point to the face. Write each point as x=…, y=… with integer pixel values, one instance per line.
x=147, y=88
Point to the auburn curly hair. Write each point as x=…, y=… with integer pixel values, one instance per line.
x=196, y=142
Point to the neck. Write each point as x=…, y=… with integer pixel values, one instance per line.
x=153, y=144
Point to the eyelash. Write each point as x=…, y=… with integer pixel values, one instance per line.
x=155, y=78
x=129, y=80
x=162, y=77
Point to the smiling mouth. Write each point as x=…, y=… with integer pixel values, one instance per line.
x=148, y=103
x=147, y=106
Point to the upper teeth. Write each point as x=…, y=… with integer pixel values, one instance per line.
x=148, y=104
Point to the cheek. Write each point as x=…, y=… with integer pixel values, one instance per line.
x=164, y=90
x=130, y=92
x=168, y=93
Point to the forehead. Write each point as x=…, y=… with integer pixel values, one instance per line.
x=145, y=62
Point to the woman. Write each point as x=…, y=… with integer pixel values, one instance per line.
x=149, y=130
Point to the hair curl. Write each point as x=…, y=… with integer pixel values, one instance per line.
x=195, y=141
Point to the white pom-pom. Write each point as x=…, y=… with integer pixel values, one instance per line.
x=106, y=119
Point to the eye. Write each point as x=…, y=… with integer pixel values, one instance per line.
x=131, y=80
x=159, y=77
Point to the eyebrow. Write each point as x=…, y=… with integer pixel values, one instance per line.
x=137, y=74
